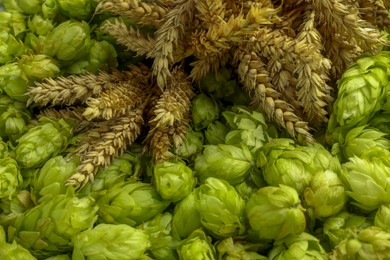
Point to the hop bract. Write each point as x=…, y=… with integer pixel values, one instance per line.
x=220, y=207
x=216, y=132
x=79, y=9
x=296, y=247
x=10, y=177
x=326, y=194
x=10, y=47
x=204, y=111
x=275, y=212
x=109, y=241
x=367, y=182
x=13, y=22
x=29, y=6
x=283, y=162
x=68, y=41
x=13, y=118
x=382, y=217
x=192, y=144
x=230, y=249
x=223, y=161
x=174, y=181
x=40, y=25
x=42, y=142
x=196, y=246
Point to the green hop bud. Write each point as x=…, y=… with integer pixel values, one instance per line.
x=79, y=9
x=362, y=138
x=361, y=92
x=12, y=82
x=367, y=183
x=130, y=203
x=325, y=194
x=10, y=177
x=12, y=22
x=163, y=245
x=197, y=246
x=173, y=181
x=230, y=249
x=283, y=162
x=369, y=243
x=40, y=25
x=192, y=144
x=102, y=56
x=10, y=47
x=275, y=212
x=120, y=169
x=186, y=218
x=9, y=5
x=20, y=203
x=342, y=225
x=48, y=228
x=218, y=83
x=249, y=127
x=14, y=251
x=51, y=179
x=13, y=118
x=50, y=8
x=204, y=111
x=42, y=142
x=215, y=133
x=30, y=6
x=223, y=161
x=109, y=241
x=220, y=207
x=296, y=247
x=68, y=41
x=382, y=217
x=37, y=67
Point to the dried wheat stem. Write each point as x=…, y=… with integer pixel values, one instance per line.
x=146, y=13
x=111, y=138
x=129, y=37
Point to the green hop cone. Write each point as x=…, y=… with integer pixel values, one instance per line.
x=13, y=118
x=102, y=56
x=246, y=189
x=218, y=83
x=368, y=182
x=342, y=226
x=223, y=161
x=382, y=217
x=163, y=245
x=173, y=181
x=35, y=67
x=204, y=111
x=325, y=195
x=296, y=247
x=48, y=228
x=192, y=144
x=249, y=127
x=12, y=22
x=68, y=41
x=275, y=212
x=20, y=203
x=130, y=203
x=197, y=246
x=369, y=243
x=50, y=8
x=121, y=168
x=10, y=47
x=12, y=82
x=51, y=178
x=236, y=250
x=283, y=162
x=14, y=251
x=59, y=257
x=40, y=25
x=79, y=9
x=361, y=92
x=186, y=218
x=30, y=6
x=10, y=177
x=215, y=133
x=109, y=241
x=42, y=142
x=220, y=207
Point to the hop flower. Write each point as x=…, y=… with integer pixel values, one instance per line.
x=196, y=246
x=204, y=111
x=10, y=177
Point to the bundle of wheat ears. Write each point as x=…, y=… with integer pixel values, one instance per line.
x=286, y=54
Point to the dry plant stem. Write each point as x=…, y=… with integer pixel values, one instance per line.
x=310, y=69
x=256, y=80
x=168, y=36
x=146, y=13
x=109, y=140
x=129, y=37
x=114, y=102
x=73, y=89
